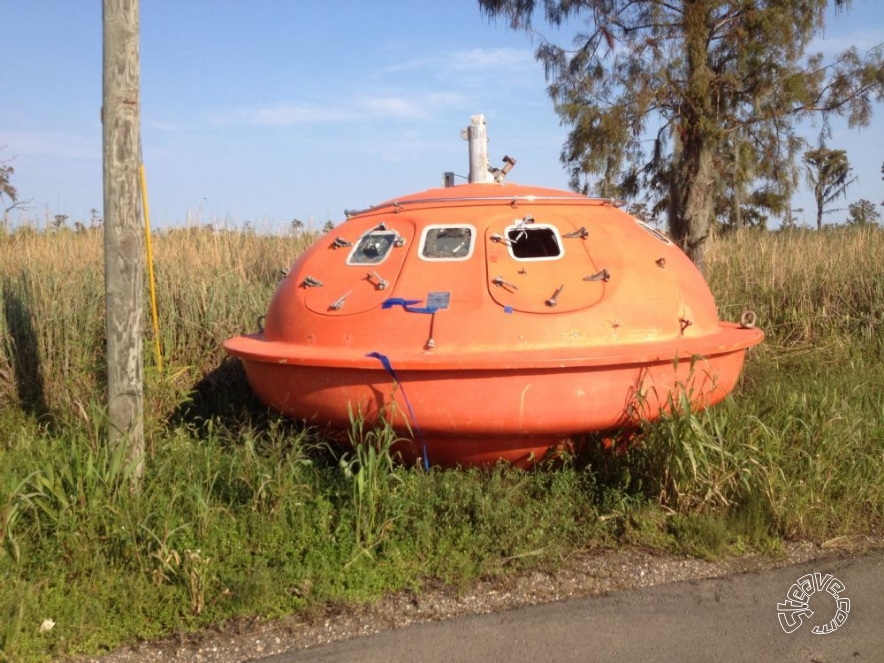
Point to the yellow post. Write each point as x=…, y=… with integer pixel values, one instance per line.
x=150, y=278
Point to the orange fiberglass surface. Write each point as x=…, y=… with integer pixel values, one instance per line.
x=491, y=321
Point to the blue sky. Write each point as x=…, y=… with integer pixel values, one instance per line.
x=271, y=110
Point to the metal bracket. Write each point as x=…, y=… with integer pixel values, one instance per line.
x=603, y=275
x=552, y=301
x=381, y=282
x=498, y=281
x=338, y=304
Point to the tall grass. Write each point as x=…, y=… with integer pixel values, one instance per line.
x=244, y=514
x=807, y=287
x=210, y=285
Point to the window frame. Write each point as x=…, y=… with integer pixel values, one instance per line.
x=442, y=226
x=374, y=231
x=527, y=228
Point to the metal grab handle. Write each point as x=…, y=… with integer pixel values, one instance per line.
x=339, y=303
x=552, y=301
x=382, y=282
x=498, y=281
x=581, y=233
x=603, y=275
x=340, y=242
x=497, y=237
x=310, y=282
x=521, y=233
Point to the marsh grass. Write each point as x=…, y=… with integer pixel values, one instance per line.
x=210, y=285
x=246, y=515
x=808, y=288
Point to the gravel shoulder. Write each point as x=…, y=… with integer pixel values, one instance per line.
x=589, y=573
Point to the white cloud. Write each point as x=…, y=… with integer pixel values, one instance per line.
x=408, y=65
x=284, y=114
x=163, y=125
x=52, y=143
x=419, y=105
x=415, y=89
x=498, y=59
x=503, y=60
x=392, y=107
x=446, y=99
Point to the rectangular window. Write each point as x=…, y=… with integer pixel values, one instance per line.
x=534, y=242
x=372, y=247
x=447, y=243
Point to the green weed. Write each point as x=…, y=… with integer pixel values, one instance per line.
x=371, y=476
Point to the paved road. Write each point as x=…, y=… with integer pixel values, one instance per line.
x=725, y=619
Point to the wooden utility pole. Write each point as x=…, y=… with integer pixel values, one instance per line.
x=123, y=262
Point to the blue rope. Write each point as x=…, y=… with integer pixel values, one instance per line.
x=385, y=361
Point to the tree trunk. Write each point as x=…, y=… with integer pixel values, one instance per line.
x=691, y=188
x=123, y=273
x=691, y=200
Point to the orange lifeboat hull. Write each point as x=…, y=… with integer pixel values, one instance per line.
x=491, y=352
